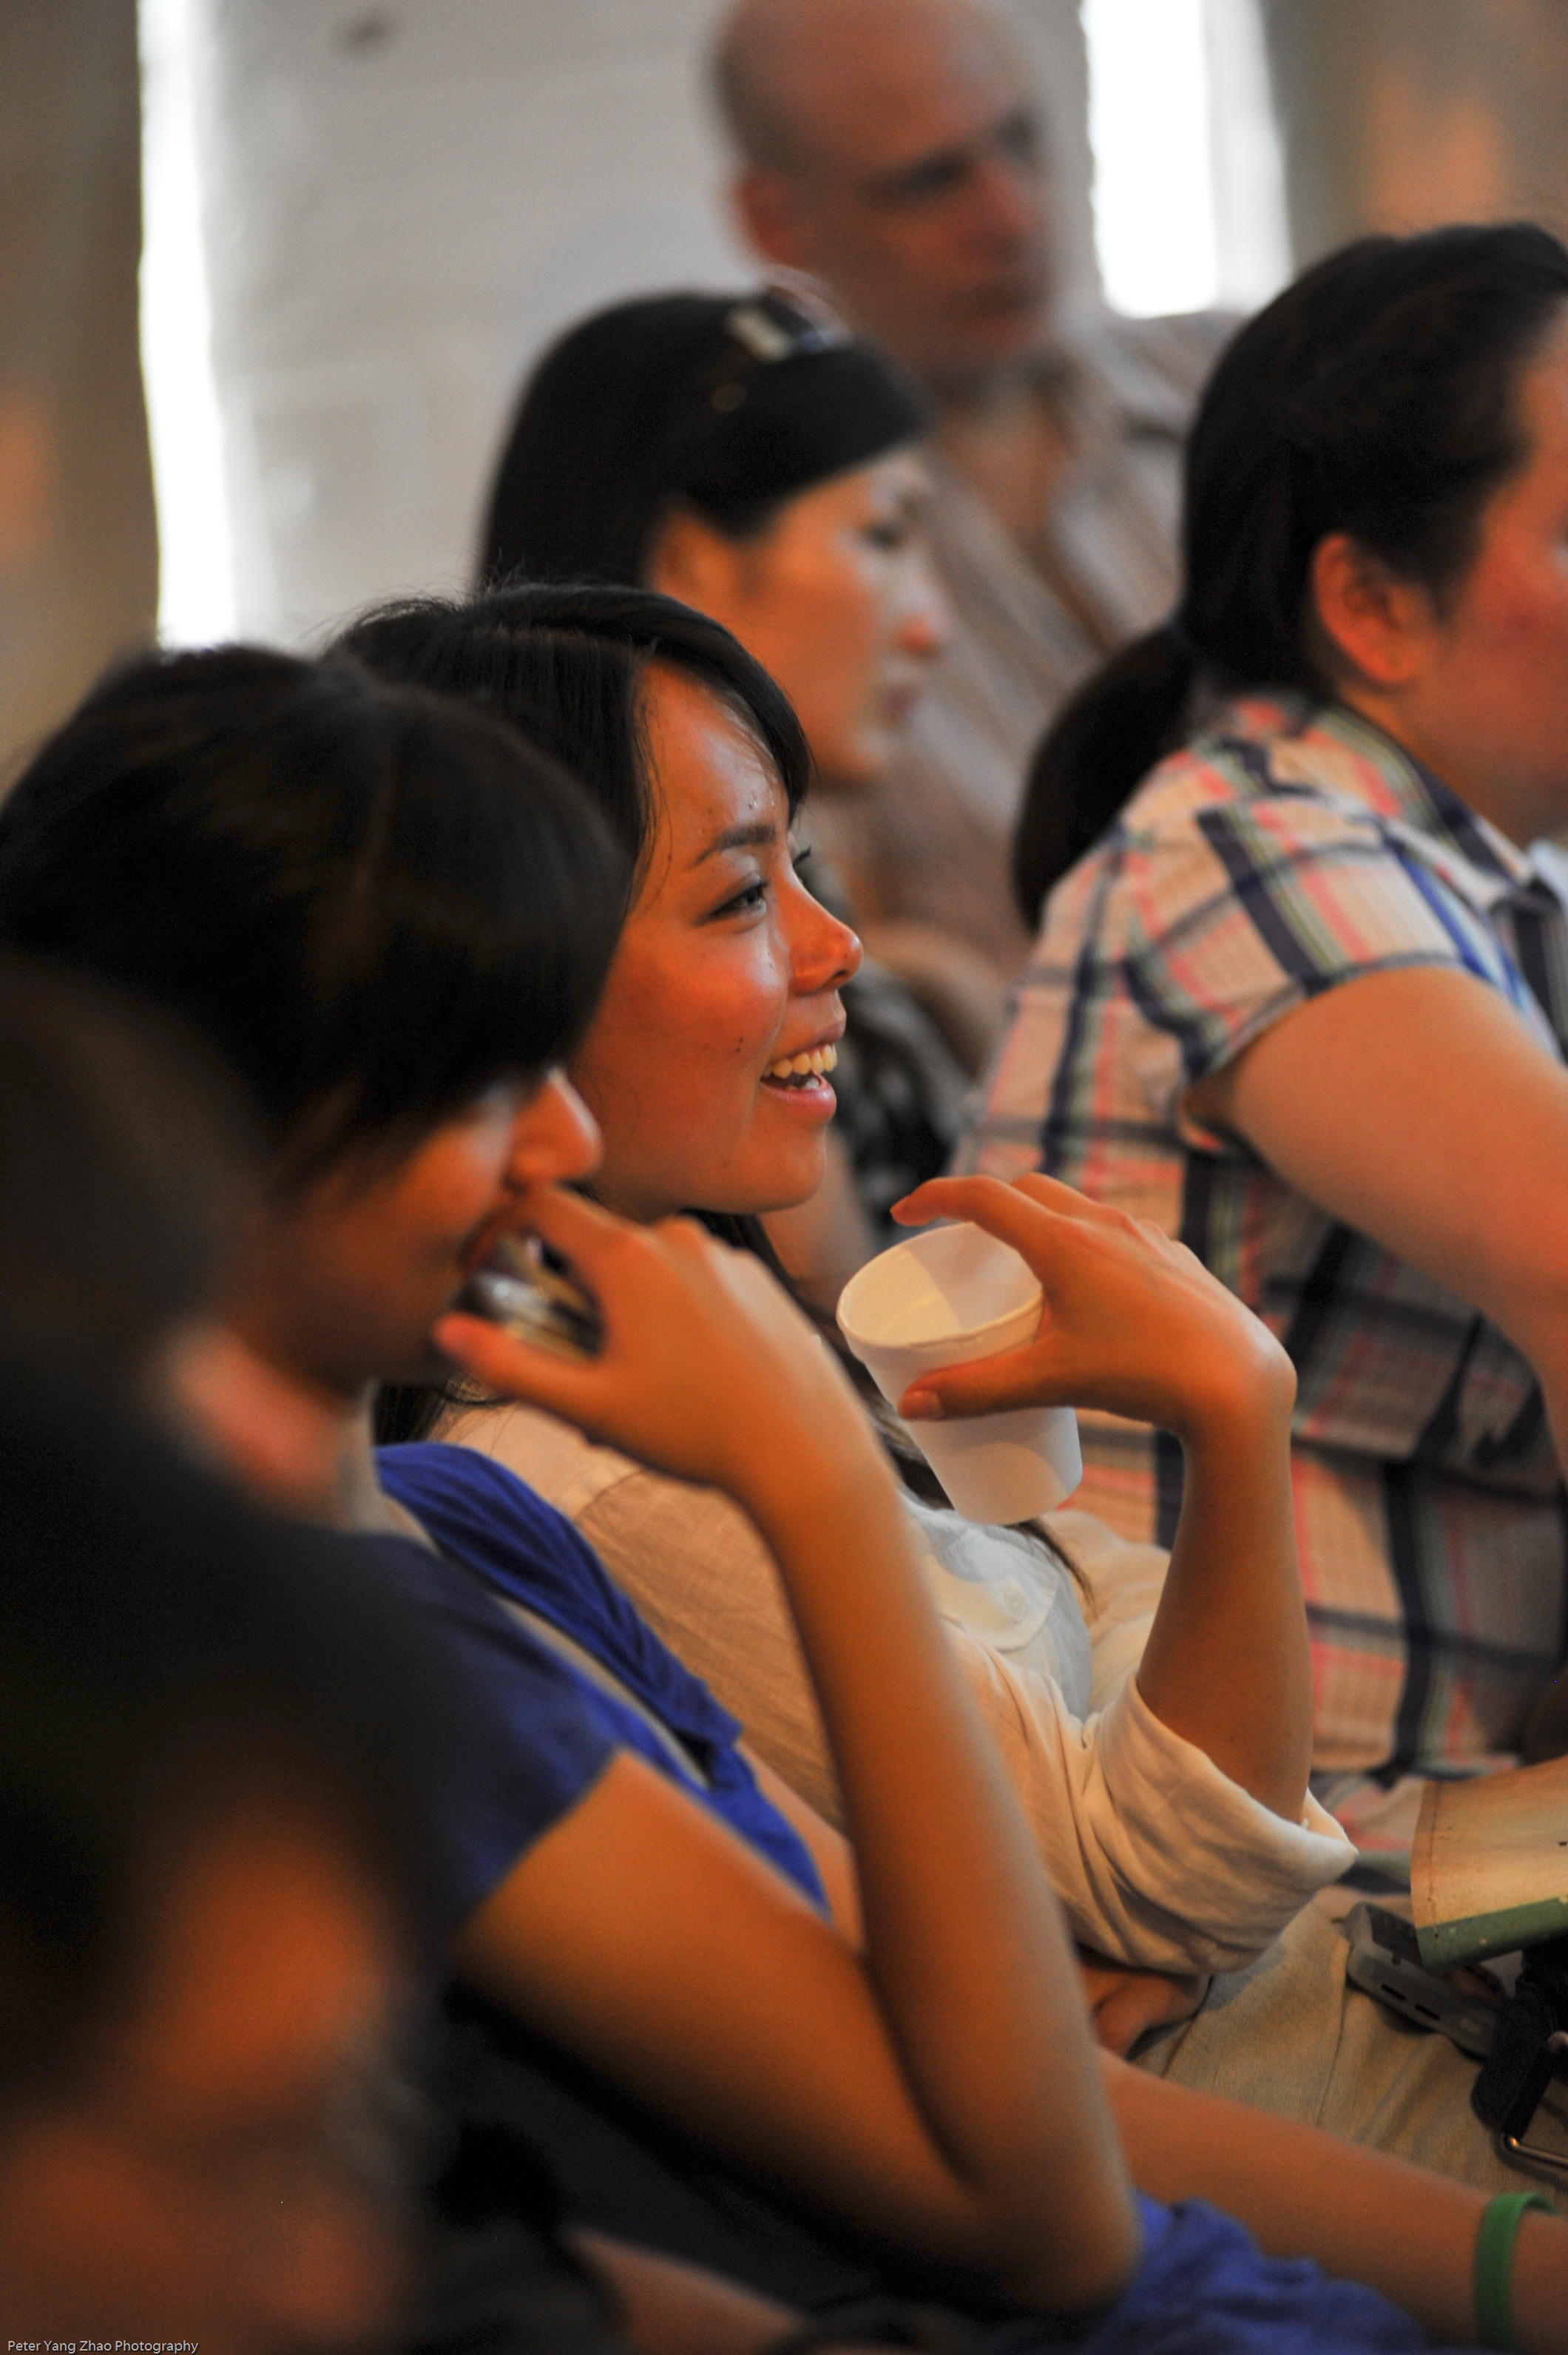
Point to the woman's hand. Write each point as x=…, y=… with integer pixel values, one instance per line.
x=1131, y=1321
x=708, y=1369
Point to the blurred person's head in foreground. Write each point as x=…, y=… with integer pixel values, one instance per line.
x=127, y=1171
x=388, y=916
x=211, y=1896
x=893, y=149
x=743, y=454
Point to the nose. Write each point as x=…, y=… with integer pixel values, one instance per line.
x=555, y=1137
x=823, y=953
x=1005, y=202
x=925, y=624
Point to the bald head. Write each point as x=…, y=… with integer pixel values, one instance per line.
x=891, y=148
x=795, y=77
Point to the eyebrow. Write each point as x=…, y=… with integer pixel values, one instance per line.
x=1018, y=125
x=755, y=836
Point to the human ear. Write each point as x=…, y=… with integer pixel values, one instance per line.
x=766, y=205
x=1377, y=625
x=692, y=562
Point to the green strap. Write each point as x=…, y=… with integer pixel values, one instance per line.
x=1500, y=2221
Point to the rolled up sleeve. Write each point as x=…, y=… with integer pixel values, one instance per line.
x=1161, y=1861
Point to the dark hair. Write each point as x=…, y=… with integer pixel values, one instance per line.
x=1377, y=396
x=125, y=1158
x=170, y=1658
x=373, y=902
x=731, y=404
x=565, y=664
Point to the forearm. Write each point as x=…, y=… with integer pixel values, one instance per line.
x=1358, y=2213
x=1227, y=1664
x=964, y=1940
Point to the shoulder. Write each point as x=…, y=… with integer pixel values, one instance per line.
x=1153, y=369
x=556, y=1460
x=1261, y=761
x=1260, y=864
x=524, y=1745
x=496, y=1528
x=1256, y=793
x=471, y=1504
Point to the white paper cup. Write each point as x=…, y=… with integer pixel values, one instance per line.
x=945, y=1298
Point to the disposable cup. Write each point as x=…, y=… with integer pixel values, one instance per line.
x=945, y=1298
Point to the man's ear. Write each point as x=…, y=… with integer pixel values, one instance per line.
x=767, y=207
x=1375, y=624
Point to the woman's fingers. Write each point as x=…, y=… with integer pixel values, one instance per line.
x=944, y=1198
x=708, y=1369
x=510, y=1367
x=1131, y=1322
x=1013, y=1378
x=1124, y=2004
x=583, y=1234
x=1029, y=1223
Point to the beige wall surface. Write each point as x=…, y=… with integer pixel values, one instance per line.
x=1397, y=114
x=78, y=553
x=405, y=199
x=405, y=202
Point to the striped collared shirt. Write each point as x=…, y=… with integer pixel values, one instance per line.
x=930, y=843
x=1284, y=852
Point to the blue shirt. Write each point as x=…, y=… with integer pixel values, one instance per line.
x=548, y=1729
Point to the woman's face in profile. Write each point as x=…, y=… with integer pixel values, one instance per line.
x=706, y=1065
x=1486, y=696
x=341, y=1284
x=838, y=599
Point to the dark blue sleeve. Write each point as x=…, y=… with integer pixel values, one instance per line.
x=486, y=1520
x=481, y=1515
x=525, y=1747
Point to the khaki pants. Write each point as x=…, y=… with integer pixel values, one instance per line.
x=1289, y=2036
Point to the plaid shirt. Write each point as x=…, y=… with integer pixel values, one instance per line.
x=1282, y=853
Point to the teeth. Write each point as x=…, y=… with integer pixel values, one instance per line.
x=815, y=1065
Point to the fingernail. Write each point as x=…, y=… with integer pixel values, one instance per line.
x=922, y=1408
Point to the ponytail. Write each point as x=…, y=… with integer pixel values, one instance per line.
x=1378, y=396
x=1105, y=741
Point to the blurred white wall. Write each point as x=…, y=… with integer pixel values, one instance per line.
x=404, y=201
x=78, y=554
x=1397, y=114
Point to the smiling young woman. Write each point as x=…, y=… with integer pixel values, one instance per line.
x=723, y=995
x=380, y=906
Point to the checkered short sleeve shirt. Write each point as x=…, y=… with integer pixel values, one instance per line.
x=1285, y=852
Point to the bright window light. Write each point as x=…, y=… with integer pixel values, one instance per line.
x=1150, y=128
x=196, y=552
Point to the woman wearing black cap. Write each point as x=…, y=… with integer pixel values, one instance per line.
x=748, y=457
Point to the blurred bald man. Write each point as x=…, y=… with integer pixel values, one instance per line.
x=894, y=150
